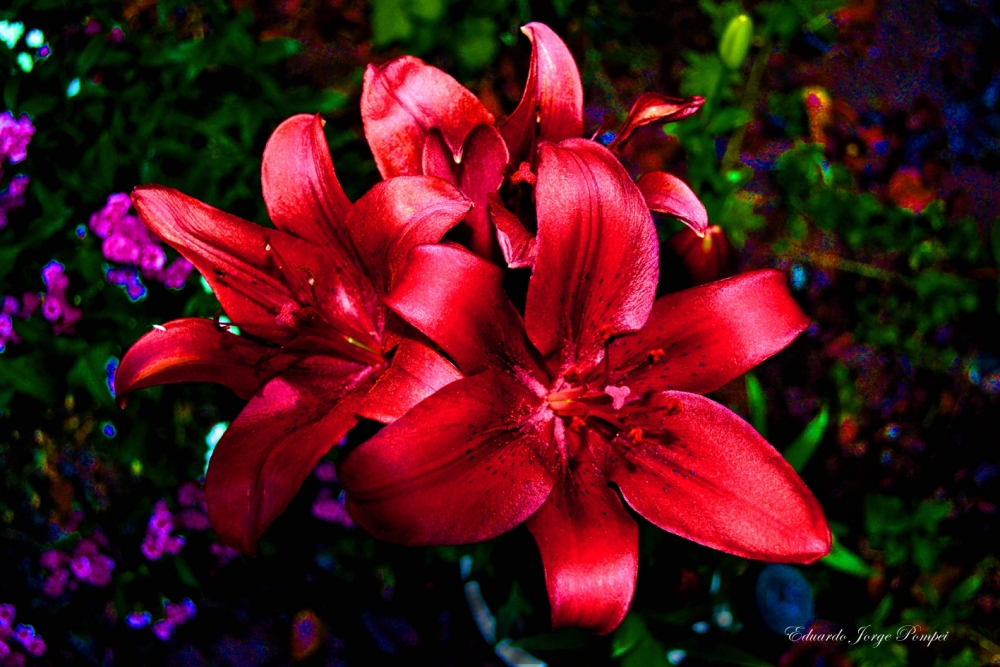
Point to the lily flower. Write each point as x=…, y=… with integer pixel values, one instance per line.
x=420, y=120
x=595, y=386
x=306, y=298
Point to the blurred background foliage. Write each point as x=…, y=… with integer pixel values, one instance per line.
x=886, y=406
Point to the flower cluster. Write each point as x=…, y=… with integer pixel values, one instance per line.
x=557, y=413
x=128, y=243
x=86, y=564
x=11, y=636
x=15, y=135
x=192, y=515
x=158, y=540
x=174, y=614
x=55, y=307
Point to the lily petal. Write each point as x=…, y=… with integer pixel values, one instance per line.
x=551, y=108
x=665, y=193
x=272, y=446
x=590, y=549
x=596, y=267
x=478, y=175
x=197, y=350
x=416, y=372
x=255, y=272
x=403, y=100
x=457, y=300
x=301, y=190
x=703, y=473
x=708, y=335
x=651, y=107
x=460, y=467
x=516, y=243
x=397, y=215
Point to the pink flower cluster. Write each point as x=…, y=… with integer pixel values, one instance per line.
x=128, y=242
x=12, y=197
x=174, y=614
x=192, y=515
x=55, y=307
x=158, y=540
x=15, y=135
x=11, y=636
x=86, y=564
x=329, y=506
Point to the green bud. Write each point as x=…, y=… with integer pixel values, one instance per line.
x=735, y=42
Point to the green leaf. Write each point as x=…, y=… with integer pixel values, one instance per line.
x=801, y=450
x=26, y=375
x=390, y=22
x=758, y=404
x=728, y=119
x=7, y=256
x=628, y=635
x=843, y=559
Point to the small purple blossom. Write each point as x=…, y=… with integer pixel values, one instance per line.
x=328, y=507
x=325, y=472
x=116, y=36
x=12, y=197
x=138, y=619
x=163, y=630
x=223, y=552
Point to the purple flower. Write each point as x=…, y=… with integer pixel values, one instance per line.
x=328, y=507
x=23, y=634
x=35, y=647
x=152, y=258
x=325, y=472
x=9, y=305
x=120, y=248
x=116, y=36
x=51, y=309
x=4, y=650
x=158, y=539
x=163, y=630
x=177, y=613
x=138, y=619
x=81, y=568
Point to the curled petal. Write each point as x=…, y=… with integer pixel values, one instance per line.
x=197, y=350
x=516, y=243
x=301, y=190
x=665, y=193
x=257, y=272
x=590, y=549
x=705, y=257
x=398, y=214
x=478, y=175
x=272, y=446
x=460, y=467
x=456, y=299
x=651, y=107
x=405, y=99
x=596, y=267
x=417, y=371
x=703, y=473
x=699, y=339
x=551, y=108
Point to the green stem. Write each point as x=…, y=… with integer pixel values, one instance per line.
x=749, y=102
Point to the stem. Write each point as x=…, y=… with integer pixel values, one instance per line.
x=749, y=102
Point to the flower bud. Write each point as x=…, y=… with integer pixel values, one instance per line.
x=704, y=258
x=735, y=41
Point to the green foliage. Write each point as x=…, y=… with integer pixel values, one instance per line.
x=802, y=448
x=903, y=535
x=469, y=32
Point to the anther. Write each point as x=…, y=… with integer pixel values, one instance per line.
x=606, y=332
x=656, y=355
x=577, y=424
x=267, y=244
x=310, y=276
x=635, y=436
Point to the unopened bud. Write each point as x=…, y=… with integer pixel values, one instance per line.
x=735, y=41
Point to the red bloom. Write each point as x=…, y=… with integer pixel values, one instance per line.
x=595, y=385
x=419, y=120
x=307, y=297
x=705, y=257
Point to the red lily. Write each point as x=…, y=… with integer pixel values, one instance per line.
x=419, y=120
x=595, y=385
x=704, y=257
x=306, y=297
